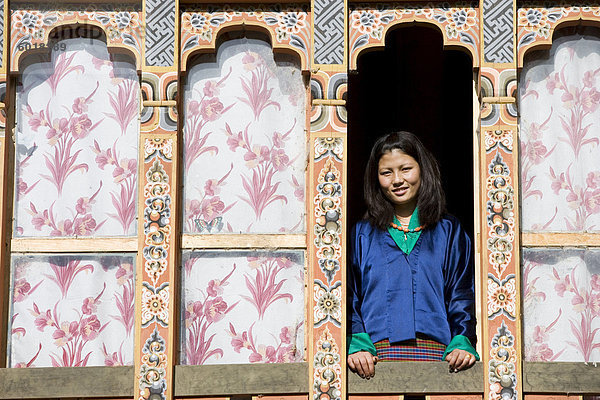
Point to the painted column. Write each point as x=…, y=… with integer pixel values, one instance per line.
x=156, y=273
x=5, y=225
x=500, y=256
x=327, y=189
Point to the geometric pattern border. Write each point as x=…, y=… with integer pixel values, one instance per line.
x=498, y=32
x=329, y=31
x=288, y=26
x=31, y=28
x=369, y=24
x=160, y=32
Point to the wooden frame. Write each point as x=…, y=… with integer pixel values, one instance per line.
x=242, y=241
x=224, y=380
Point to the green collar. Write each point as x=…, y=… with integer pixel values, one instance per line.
x=406, y=242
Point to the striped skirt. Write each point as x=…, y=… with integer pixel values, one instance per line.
x=419, y=349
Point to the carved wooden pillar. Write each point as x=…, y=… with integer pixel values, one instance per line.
x=327, y=189
x=158, y=250
x=500, y=256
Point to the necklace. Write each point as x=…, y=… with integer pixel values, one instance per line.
x=406, y=230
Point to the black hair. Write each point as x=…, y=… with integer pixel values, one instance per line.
x=431, y=199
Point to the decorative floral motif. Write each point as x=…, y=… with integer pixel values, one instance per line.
x=289, y=27
x=125, y=20
x=460, y=25
x=28, y=22
x=327, y=376
x=256, y=183
x=66, y=184
x=31, y=27
x=156, y=302
x=155, y=305
x=538, y=22
x=500, y=215
x=159, y=147
x=256, y=297
x=153, y=369
x=559, y=142
x=291, y=23
x=503, y=379
x=499, y=137
x=367, y=22
x=329, y=303
x=501, y=297
x=67, y=311
x=562, y=320
x=329, y=146
x=198, y=23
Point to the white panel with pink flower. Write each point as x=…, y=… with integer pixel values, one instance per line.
x=560, y=136
x=562, y=304
x=244, y=141
x=71, y=311
x=76, y=141
x=242, y=307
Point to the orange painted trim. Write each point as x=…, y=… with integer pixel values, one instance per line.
x=25, y=40
x=371, y=35
x=540, y=35
x=199, y=37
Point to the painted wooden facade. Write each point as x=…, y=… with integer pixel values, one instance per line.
x=326, y=37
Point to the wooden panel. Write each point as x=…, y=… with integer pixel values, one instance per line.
x=282, y=397
x=551, y=397
x=222, y=380
x=89, y=382
x=417, y=377
x=560, y=377
x=560, y=239
x=72, y=245
x=241, y=241
x=455, y=397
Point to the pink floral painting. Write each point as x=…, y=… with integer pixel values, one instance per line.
x=560, y=137
x=76, y=139
x=562, y=304
x=242, y=307
x=71, y=311
x=244, y=142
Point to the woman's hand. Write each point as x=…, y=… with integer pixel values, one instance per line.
x=459, y=360
x=363, y=363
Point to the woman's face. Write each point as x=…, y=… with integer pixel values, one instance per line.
x=400, y=179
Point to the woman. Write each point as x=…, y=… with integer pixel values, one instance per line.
x=411, y=273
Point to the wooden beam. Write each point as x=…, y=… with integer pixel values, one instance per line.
x=88, y=382
x=560, y=377
x=499, y=99
x=74, y=245
x=556, y=239
x=418, y=378
x=230, y=380
x=159, y=103
x=244, y=241
x=238, y=379
x=327, y=102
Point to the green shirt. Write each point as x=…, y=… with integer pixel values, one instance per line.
x=406, y=242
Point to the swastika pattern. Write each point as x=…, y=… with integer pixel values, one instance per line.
x=498, y=31
x=160, y=33
x=329, y=31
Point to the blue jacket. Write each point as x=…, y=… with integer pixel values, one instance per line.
x=431, y=290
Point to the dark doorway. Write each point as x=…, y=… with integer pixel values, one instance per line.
x=415, y=85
